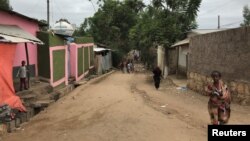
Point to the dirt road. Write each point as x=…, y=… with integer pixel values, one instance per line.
x=125, y=107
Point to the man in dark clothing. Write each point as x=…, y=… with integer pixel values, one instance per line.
x=157, y=77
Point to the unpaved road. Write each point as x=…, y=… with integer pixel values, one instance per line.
x=125, y=107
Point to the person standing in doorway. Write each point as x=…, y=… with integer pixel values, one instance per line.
x=22, y=74
x=157, y=77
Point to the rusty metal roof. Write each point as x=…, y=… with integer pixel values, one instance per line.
x=11, y=12
x=182, y=42
x=14, y=34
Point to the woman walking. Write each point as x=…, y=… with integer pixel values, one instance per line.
x=220, y=100
x=157, y=77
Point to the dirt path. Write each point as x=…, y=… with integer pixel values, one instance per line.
x=125, y=107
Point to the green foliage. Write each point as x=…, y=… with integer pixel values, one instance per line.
x=80, y=62
x=86, y=59
x=58, y=65
x=82, y=30
x=82, y=40
x=43, y=28
x=63, y=20
x=128, y=24
x=5, y=4
x=163, y=23
x=117, y=57
x=246, y=16
x=111, y=23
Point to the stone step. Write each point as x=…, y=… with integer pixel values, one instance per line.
x=55, y=95
x=82, y=82
x=65, y=90
x=24, y=92
x=42, y=103
x=44, y=97
x=28, y=96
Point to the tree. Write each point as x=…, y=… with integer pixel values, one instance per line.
x=128, y=24
x=163, y=23
x=43, y=28
x=111, y=23
x=63, y=20
x=246, y=16
x=83, y=30
x=5, y=4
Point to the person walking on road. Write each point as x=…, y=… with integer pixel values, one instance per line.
x=157, y=77
x=219, y=102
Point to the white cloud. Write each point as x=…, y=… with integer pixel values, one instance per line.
x=230, y=12
x=73, y=10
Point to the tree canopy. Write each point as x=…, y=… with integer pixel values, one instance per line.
x=246, y=16
x=130, y=24
x=5, y=4
x=112, y=22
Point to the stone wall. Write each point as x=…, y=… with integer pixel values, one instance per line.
x=240, y=91
x=172, y=58
x=226, y=51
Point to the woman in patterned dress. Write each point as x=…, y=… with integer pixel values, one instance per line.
x=220, y=100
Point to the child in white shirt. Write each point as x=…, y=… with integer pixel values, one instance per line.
x=22, y=74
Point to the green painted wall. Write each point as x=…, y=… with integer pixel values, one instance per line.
x=58, y=64
x=81, y=40
x=80, y=61
x=86, y=59
x=55, y=40
x=91, y=56
x=43, y=55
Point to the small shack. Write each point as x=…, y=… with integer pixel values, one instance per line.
x=103, y=60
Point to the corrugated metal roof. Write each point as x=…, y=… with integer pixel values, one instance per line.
x=197, y=32
x=6, y=38
x=205, y=31
x=182, y=42
x=100, y=49
x=23, y=16
x=13, y=33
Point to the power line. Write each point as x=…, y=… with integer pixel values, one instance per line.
x=92, y=5
x=59, y=9
x=230, y=24
x=36, y=5
x=52, y=10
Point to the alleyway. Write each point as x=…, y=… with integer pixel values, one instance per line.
x=125, y=107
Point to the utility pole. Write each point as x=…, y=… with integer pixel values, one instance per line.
x=48, y=14
x=218, y=21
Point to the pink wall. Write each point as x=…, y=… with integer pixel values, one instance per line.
x=63, y=80
x=29, y=26
x=73, y=59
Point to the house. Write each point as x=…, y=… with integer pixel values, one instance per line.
x=180, y=49
x=29, y=25
x=10, y=37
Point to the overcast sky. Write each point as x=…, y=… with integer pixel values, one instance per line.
x=75, y=11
